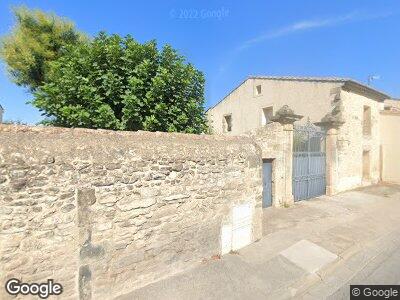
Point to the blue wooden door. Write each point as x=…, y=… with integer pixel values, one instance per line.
x=267, y=183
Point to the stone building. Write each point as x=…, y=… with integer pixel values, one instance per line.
x=390, y=144
x=347, y=111
x=392, y=104
x=390, y=128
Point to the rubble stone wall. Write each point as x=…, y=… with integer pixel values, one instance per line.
x=104, y=212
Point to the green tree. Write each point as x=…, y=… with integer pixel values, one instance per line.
x=118, y=83
x=37, y=39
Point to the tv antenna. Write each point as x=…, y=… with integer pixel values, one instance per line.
x=372, y=78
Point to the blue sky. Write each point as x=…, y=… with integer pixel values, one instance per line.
x=230, y=40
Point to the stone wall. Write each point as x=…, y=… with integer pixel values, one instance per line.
x=276, y=143
x=390, y=128
x=105, y=212
x=352, y=142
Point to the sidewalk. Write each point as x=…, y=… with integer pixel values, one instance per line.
x=312, y=250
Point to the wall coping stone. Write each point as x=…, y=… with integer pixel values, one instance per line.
x=12, y=128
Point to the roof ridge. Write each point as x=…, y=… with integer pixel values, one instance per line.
x=306, y=78
x=345, y=80
x=322, y=79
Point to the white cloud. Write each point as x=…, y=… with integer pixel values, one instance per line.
x=310, y=24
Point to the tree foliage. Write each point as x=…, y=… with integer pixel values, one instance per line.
x=118, y=83
x=37, y=39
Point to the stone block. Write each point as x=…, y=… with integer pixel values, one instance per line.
x=128, y=204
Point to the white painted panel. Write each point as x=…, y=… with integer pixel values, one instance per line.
x=241, y=225
x=241, y=237
x=241, y=213
x=226, y=238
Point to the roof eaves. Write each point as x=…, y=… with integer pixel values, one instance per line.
x=299, y=78
x=347, y=83
x=357, y=87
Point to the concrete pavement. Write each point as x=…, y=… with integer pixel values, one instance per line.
x=313, y=250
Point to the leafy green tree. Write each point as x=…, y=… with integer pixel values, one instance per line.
x=118, y=83
x=37, y=39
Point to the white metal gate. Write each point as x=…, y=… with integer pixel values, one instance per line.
x=309, y=163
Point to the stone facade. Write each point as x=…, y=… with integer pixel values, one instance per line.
x=352, y=158
x=273, y=142
x=276, y=142
x=389, y=129
x=392, y=105
x=308, y=98
x=353, y=142
x=104, y=212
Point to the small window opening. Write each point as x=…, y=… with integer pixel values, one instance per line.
x=228, y=123
x=367, y=120
x=266, y=115
x=258, y=90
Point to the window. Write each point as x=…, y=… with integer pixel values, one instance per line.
x=266, y=115
x=258, y=90
x=367, y=120
x=227, y=123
